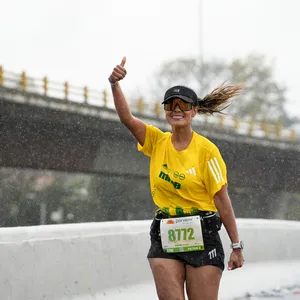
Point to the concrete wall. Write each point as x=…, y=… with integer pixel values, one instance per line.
x=70, y=261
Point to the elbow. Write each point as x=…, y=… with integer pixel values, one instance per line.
x=126, y=120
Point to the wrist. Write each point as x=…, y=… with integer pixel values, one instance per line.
x=112, y=83
x=237, y=250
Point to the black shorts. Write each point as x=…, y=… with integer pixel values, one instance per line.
x=212, y=255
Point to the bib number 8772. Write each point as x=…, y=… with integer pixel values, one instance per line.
x=185, y=234
x=181, y=234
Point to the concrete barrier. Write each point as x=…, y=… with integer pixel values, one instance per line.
x=83, y=261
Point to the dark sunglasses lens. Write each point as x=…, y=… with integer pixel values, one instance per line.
x=184, y=106
x=168, y=106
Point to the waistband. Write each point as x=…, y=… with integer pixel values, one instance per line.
x=210, y=221
x=203, y=215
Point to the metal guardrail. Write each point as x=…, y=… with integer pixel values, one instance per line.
x=65, y=91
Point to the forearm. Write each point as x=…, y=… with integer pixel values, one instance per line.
x=226, y=212
x=228, y=219
x=121, y=104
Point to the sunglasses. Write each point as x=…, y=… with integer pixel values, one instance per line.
x=183, y=106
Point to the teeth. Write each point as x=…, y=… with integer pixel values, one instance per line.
x=177, y=117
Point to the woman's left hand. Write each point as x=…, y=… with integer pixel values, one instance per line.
x=236, y=259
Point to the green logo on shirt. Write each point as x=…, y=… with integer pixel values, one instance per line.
x=165, y=176
x=175, y=174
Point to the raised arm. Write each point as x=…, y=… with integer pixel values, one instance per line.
x=135, y=126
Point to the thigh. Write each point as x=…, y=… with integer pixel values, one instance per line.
x=169, y=277
x=203, y=282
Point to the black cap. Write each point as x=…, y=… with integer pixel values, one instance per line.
x=181, y=92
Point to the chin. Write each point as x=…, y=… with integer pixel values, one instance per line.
x=178, y=123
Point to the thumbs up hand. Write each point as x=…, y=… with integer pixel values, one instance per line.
x=118, y=73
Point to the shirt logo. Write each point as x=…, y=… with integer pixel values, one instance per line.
x=166, y=173
x=167, y=178
x=192, y=171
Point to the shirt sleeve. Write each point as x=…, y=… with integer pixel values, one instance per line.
x=153, y=134
x=215, y=172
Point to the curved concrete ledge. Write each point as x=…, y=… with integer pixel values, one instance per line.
x=85, y=260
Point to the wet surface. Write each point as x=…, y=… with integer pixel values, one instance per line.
x=286, y=293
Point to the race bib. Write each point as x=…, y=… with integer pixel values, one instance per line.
x=181, y=234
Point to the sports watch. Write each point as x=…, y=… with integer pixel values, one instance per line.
x=239, y=245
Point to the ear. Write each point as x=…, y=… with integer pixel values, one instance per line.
x=194, y=111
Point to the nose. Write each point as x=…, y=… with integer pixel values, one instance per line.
x=177, y=108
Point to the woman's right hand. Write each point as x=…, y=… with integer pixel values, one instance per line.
x=118, y=73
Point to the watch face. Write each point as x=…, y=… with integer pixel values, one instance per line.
x=242, y=244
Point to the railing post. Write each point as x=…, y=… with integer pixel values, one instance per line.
x=293, y=135
x=157, y=109
x=265, y=128
x=45, y=85
x=105, y=100
x=1, y=75
x=236, y=124
x=23, y=81
x=278, y=130
x=66, y=90
x=221, y=122
x=85, y=94
x=140, y=105
x=251, y=127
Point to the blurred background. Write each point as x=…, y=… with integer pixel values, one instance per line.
x=65, y=157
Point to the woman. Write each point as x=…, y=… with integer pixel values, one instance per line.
x=189, y=186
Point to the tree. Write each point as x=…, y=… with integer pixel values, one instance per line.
x=16, y=199
x=263, y=98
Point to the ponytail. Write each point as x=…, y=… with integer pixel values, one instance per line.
x=218, y=99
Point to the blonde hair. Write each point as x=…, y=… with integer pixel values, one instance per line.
x=218, y=99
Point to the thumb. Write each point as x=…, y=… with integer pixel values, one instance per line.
x=230, y=265
x=123, y=61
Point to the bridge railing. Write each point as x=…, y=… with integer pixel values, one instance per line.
x=66, y=91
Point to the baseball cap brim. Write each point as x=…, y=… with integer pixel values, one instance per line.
x=184, y=98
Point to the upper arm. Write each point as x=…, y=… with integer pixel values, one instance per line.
x=137, y=129
x=223, y=203
x=221, y=195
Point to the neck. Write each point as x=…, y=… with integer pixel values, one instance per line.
x=182, y=134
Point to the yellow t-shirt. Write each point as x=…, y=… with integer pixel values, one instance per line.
x=183, y=181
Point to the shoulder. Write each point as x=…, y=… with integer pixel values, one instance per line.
x=156, y=132
x=152, y=127
x=204, y=143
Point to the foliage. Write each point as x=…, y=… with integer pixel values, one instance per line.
x=263, y=98
x=70, y=198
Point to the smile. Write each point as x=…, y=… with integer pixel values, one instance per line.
x=178, y=117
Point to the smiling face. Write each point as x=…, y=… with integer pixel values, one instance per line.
x=179, y=113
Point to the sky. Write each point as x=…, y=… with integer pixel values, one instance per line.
x=81, y=41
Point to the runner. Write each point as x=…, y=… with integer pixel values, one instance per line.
x=188, y=182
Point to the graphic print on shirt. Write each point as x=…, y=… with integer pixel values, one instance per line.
x=215, y=169
x=167, y=173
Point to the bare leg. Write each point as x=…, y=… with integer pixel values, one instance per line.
x=169, y=277
x=203, y=282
